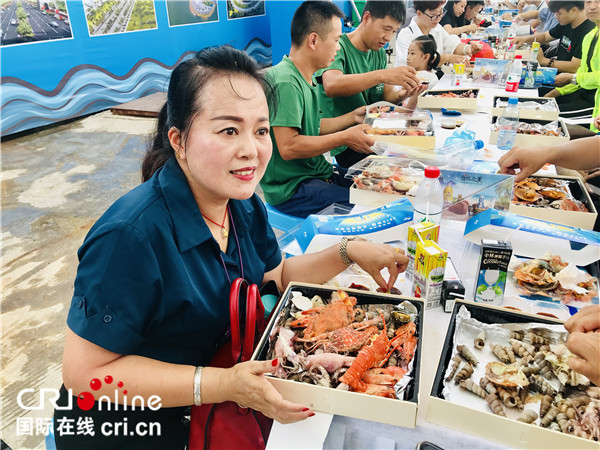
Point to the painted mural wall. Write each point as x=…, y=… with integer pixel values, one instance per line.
x=64, y=59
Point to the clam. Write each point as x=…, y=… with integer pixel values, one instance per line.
x=505, y=375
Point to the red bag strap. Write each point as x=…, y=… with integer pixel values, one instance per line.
x=237, y=294
x=255, y=313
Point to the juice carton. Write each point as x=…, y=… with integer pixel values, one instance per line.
x=491, y=275
x=430, y=264
x=428, y=231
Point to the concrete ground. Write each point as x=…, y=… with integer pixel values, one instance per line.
x=55, y=185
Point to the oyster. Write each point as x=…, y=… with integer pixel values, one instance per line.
x=505, y=375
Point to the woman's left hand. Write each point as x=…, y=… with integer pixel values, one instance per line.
x=374, y=257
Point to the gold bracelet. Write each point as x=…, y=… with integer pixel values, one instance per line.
x=197, y=383
x=344, y=252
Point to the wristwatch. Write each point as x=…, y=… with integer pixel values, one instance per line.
x=344, y=251
x=551, y=63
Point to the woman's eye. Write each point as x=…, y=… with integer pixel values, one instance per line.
x=229, y=131
x=263, y=131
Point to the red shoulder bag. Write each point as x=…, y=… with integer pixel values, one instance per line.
x=227, y=425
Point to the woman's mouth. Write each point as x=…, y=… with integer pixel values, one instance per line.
x=245, y=174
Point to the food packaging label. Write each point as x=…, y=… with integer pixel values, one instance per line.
x=491, y=275
x=428, y=231
x=430, y=264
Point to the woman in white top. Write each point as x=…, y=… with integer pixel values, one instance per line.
x=427, y=21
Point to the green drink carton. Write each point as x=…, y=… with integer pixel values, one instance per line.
x=428, y=232
x=430, y=264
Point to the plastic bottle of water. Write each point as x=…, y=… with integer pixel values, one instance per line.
x=429, y=199
x=512, y=33
x=507, y=125
x=514, y=75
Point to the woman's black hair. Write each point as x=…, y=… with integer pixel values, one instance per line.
x=428, y=46
x=184, y=97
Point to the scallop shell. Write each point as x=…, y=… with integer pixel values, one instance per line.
x=505, y=375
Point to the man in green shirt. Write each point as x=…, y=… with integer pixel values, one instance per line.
x=359, y=75
x=299, y=180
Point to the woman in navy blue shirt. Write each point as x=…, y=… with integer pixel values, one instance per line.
x=151, y=297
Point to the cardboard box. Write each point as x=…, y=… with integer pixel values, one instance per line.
x=529, y=113
x=534, y=139
x=432, y=100
x=487, y=425
x=334, y=401
x=573, y=218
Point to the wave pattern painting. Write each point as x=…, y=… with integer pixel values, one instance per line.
x=88, y=88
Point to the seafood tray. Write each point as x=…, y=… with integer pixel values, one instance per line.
x=316, y=387
x=551, y=279
x=478, y=390
x=535, y=108
x=535, y=132
x=460, y=99
x=391, y=124
x=384, y=179
x=562, y=200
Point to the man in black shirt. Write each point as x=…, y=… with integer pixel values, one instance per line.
x=573, y=26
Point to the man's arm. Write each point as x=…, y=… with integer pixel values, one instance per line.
x=528, y=15
x=562, y=66
x=293, y=145
x=581, y=154
x=542, y=38
x=338, y=84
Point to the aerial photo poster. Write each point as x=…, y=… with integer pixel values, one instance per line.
x=27, y=21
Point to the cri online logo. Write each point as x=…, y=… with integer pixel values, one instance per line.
x=86, y=400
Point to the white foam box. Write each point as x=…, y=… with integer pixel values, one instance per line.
x=432, y=100
x=401, y=413
x=487, y=425
x=529, y=113
x=572, y=218
x=534, y=139
x=427, y=142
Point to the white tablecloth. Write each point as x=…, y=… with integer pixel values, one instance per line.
x=327, y=431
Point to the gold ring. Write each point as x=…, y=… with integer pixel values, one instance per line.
x=243, y=407
x=397, y=249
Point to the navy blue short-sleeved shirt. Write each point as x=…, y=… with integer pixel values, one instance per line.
x=150, y=281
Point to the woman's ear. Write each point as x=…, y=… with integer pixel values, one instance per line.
x=176, y=142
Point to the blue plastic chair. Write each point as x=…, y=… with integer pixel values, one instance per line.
x=281, y=221
x=50, y=443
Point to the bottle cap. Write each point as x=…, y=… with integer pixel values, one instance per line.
x=432, y=172
x=518, y=56
x=513, y=100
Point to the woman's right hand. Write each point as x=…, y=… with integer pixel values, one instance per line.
x=246, y=384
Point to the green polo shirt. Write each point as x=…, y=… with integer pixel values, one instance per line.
x=297, y=107
x=350, y=60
